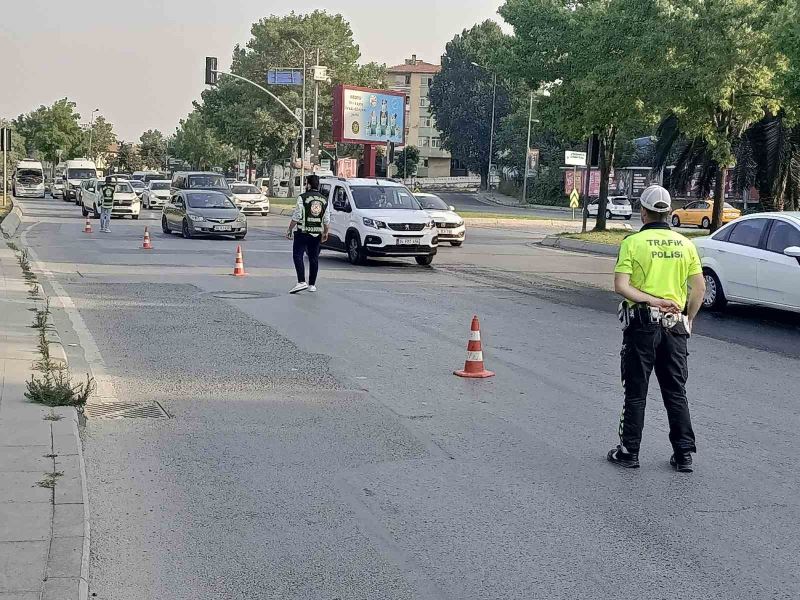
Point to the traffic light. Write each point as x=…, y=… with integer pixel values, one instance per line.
x=211, y=68
x=5, y=139
x=315, y=146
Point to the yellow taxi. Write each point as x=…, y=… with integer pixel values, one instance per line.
x=699, y=213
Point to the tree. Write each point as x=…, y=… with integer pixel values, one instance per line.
x=102, y=137
x=462, y=95
x=407, y=161
x=594, y=80
x=128, y=159
x=195, y=143
x=724, y=73
x=50, y=129
x=153, y=148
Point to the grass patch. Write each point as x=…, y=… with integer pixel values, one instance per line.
x=50, y=479
x=614, y=237
x=283, y=202
x=489, y=215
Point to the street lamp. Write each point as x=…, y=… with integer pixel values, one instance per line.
x=491, y=134
x=91, y=129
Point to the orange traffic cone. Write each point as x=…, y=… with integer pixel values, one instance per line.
x=238, y=269
x=146, y=245
x=88, y=227
x=473, y=367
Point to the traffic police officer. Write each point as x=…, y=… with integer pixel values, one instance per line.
x=659, y=275
x=107, y=192
x=312, y=219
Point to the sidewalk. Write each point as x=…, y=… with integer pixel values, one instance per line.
x=43, y=527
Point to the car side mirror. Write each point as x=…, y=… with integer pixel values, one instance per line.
x=794, y=252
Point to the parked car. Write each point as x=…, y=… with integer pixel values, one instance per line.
x=262, y=183
x=57, y=188
x=203, y=212
x=250, y=199
x=372, y=217
x=754, y=260
x=450, y=225
x=699, y=213
x=156, y=193
x=126, y=202
x=617, y=206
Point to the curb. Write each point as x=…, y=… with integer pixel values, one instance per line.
x=81, y=577
x=11, y=223
x=553, y=241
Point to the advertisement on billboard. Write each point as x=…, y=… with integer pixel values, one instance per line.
x=368, y=116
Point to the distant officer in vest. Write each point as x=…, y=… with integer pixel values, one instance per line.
x=659, y=275
x=107, y=193
x=312, y=219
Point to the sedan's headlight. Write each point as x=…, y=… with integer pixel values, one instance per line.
x=196, y=218
x=374, y=223
x=459, y=223
x=241, y=218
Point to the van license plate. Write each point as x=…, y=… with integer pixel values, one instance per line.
x=222, y=228
x=407, y=241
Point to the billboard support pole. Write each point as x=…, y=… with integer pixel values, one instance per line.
x=587, y=182
x=369, y=160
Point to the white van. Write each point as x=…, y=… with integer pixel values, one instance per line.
x=28, y=179
x=76, y=171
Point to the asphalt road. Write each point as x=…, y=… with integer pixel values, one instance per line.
x=318, y=446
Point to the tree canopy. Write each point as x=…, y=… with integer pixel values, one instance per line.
x=49, y=129
x=461, y=95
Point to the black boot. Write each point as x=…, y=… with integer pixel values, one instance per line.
x=682, y=462
x=629, y=460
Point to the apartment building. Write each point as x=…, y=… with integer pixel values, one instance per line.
x=414, y=78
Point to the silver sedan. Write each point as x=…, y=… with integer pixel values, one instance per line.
x=203, y=212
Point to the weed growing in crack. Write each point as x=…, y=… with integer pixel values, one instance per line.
x=50, y=479
x=52, y=416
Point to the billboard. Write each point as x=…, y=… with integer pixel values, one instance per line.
x=368, y=116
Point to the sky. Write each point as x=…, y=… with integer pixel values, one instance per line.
x=154, y=50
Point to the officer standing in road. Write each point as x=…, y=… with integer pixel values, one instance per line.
x=659, y=275
x=107, y=192
x=312, y=219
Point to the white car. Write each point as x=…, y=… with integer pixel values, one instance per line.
x=450, y=225
x=753, y=260
x=126, y=202
x=156, y=194
x=377, y=217
x=249, y=199
x=617, y=206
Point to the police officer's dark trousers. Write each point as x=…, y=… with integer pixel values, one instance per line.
x=646, y=347
x=305, y=243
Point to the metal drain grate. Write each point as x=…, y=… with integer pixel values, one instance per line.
x=124, y=410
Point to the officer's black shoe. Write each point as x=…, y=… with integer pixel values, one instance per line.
x=629, y=460
x=682, y=462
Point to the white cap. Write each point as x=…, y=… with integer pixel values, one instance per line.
x=657, y=199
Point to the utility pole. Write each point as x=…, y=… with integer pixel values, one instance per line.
x=491, y=134
x=316, y=93
x=527, y=152
x=303, y=134
x=586, y=183
x=5, y=146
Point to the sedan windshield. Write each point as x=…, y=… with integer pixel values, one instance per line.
x=207, y=182
x=123, y=188
x=208, y=200
x=379, y=197
x=432, y=203
x=137, y=185
x=159, y=185
x=81, y=173
x=245, y=189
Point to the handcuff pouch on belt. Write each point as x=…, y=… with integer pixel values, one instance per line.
x=644, y=314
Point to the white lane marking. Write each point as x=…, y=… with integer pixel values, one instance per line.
x=97, y=368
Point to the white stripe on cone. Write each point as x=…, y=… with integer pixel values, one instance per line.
x=475, y=356
x=474, y=336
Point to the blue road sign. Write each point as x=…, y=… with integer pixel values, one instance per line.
x=285, y=77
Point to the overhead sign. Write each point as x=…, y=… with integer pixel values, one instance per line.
x=574, y=159
x=368, y=116
x=574, y=199
x=285, y=77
